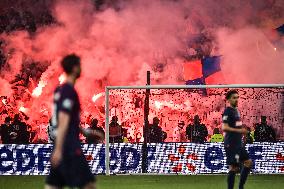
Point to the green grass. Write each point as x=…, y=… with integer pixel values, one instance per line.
x=153, y=182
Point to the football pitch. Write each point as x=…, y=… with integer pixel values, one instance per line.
x=153, y=182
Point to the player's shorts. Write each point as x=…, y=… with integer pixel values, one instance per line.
x=235, y=156
x=72, y=172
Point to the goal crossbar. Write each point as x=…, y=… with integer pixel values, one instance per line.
x=196, y=86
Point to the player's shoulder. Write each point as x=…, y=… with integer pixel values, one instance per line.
x=228, y=110
x=189, y=125
x=65, y=89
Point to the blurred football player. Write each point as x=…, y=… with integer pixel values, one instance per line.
x=68, y=164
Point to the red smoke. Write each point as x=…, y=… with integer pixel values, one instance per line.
x=119, y=44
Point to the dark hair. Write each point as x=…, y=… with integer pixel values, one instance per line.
x=69, y=62
x=94, y=121
x=17, y=117
x=230, y=93
x=216, y=131
x=8, y=119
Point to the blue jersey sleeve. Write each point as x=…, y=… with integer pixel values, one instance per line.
x=66, y=100
x=226, y=116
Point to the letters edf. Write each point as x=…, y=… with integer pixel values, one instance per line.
x=22, y=159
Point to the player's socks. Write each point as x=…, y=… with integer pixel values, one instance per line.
x=231, y=179
x=244, y=176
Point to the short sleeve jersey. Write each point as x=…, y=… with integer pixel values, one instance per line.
x=232, y=117
x=66, y=100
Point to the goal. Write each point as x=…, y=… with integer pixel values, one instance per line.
x=175, y=106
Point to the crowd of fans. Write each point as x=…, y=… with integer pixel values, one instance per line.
x=15, y=19
x=170, y=121
x=196, y=132
x=15, y=123
x=176, y=109
x=16, y=131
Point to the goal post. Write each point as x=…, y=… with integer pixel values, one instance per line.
x=108, y=89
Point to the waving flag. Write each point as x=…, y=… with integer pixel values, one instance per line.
x=202, y=72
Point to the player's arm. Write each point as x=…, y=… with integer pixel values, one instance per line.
x=63, y=122
x=227, y=128
x=64, y=106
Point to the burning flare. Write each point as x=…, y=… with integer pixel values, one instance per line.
x=23, y=109
x=97, y=96
x=62, y=78
x=38, y=90
x=4, y=101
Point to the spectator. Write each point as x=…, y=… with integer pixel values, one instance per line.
x=115, y=131
x=178, y=134
x=19, y=131
x=125, y=139
x=249, y=136
x=138, y=137
x=51, y=131
x=196, y=132
x=33, y=136
x=156, y=134
x=42, y=128
x=94, y=126
x=264, y=132
x=217, y=136
x=5, y=130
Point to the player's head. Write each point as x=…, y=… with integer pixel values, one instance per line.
x=114, y=119
x=216, y=131
x=196, y=119
x=8, y=119
x=94, y=122
x=233, y=97
x=71, y=65
x=181, y=123
x=156, y=121
x=263, y=119
x=17, y=117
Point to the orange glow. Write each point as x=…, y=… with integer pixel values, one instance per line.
x=23, y=109
x=158, y=104
x=172, y=105
x=38, y=90
x=62, y=78
x=97, y=96
x=4, y=101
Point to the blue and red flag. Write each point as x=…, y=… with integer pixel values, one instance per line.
x=203, y=72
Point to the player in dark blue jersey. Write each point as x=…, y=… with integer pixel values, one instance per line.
x=234, y=147
x=68, y=164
